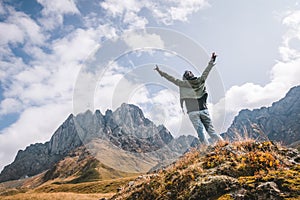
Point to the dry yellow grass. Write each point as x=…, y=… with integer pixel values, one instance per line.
x=57, y=191
x=105, y=186
x=56, y=196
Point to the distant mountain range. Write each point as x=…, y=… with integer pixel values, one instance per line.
x=123, y=141
x=92, y=146
x=279, y=122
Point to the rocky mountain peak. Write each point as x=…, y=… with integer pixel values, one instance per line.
x=279, y=122
x=289, y=104
x=126, y=129
x=130, y=114
x=64, y=138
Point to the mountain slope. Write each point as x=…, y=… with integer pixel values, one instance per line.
x=80, y=166
x=123, y=140
x=39, y=157
x=280, y=122
x=240, y=170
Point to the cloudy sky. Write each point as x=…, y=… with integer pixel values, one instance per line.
x=65, y=56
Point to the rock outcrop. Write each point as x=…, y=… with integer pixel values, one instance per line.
x=239, y=170
x=280, y=122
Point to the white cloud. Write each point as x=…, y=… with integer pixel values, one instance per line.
x=287, y=50
x=9, y=105
x=143, y=40
x=176, y=10
x=117, y=8
x=165, y=12
x=18, y=28
x=292, y=19
x=50, y=22
x=32, y=75
x=54, y=11
x=9, y=66
x=92, y=20
x=45, y=79
x=128, y=12
x=12, y=33
x=287, y=73
x=76, y=46
x=31, y=30
x=134, y=20
x=59, y=6
x=39, y=85
x=185, y=8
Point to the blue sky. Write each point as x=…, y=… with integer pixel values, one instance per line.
x=46, y=46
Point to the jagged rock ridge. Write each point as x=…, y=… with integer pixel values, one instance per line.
x=280, y=122
x=126, y=129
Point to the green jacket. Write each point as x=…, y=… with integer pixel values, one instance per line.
x=193, y=89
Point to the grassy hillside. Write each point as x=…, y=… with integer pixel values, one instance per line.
x=79, y=166
x=56, y=196
x=78, y=176
x=240, y=170
x=68, y=191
